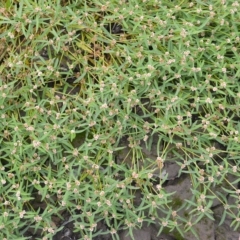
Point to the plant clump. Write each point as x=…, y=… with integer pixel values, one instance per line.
x=78, y=77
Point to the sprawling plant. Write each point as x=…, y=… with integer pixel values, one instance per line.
x=79, y=77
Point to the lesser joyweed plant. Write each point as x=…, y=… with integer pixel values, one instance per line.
x=78, y=77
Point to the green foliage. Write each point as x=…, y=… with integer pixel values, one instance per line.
x=77, y=77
